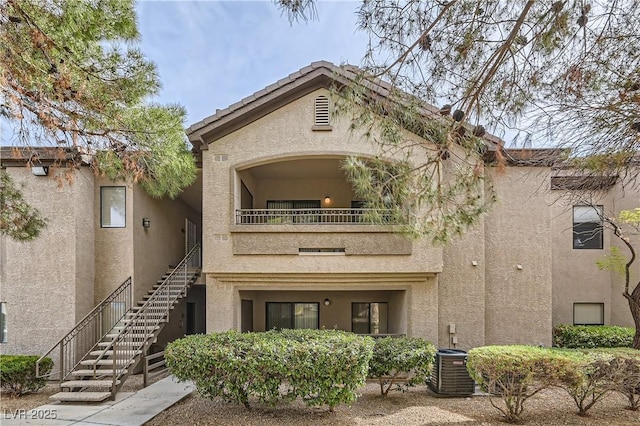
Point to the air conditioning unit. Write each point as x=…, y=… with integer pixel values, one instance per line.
x=449, y=375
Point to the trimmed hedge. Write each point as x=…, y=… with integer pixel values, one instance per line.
x=592, y=336
x=627, y=378
x=18, y=373
x=401, y=357
x=323, y=367
x=515, y=373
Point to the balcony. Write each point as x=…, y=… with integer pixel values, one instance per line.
x=326, y=216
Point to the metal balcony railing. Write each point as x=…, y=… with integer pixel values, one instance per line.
x=345, y=216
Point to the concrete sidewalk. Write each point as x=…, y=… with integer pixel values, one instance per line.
x=129, y=408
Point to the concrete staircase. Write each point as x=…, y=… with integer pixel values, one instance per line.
x=100, y=374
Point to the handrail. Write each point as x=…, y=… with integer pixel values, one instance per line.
x=159, y=304
x=93, y=326
x=332, y=216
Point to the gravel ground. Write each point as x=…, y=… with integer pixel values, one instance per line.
x=416, y=407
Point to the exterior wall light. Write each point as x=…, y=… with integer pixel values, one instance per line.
x=146, y=222
x=327, y=302
x=40, y=170
x=327, y=199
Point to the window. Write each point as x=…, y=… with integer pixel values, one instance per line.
x=587, y=227
x=113, y=207
x=588, y=313
x=369, y=318
x=321, y=117
x=290, y=211
x=3, y=322
x=292, y=315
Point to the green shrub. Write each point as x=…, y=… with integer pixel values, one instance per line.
x=515, y=373
x=18, y=373
x=592, y=336
x=590, y=376
x=627, y=374
x=321, y=367
x=326, y=367
x=395, y=357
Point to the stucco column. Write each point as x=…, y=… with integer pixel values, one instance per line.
x=422, y=307
x=222, y=306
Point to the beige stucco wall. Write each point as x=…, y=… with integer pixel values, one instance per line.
x=265, y=258
x=163, y=243
x=114, y=246
x=134, y=251
x=576, y=276
x=48, y=283
x=461, y=290
x=518, y=231
x=287, y=134
x=303, y=189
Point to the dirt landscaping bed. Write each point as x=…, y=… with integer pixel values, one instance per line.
x=416, y=407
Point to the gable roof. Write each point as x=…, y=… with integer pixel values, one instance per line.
x=321, y=74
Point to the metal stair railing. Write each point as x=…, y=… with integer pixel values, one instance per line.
x=142, y=326
x=90, y=330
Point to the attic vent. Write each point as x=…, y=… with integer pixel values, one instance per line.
x=220, y=157
x=321, y=112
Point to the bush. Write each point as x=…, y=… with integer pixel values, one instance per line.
x=18, y=373
x=590, y=376
x=592, y=336
x=321, y=367
x=627, y=377
x=394, y=357
x=515, y=373
x=326, y=367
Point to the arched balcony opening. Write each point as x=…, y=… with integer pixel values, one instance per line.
x=308, y=191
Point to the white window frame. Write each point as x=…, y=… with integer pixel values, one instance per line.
x=111, y=224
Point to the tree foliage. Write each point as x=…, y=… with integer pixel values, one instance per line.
x=18, y=219
x=564, y=73
x=626, y=228
x=71, y=77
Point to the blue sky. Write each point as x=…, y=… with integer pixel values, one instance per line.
x=210, y=54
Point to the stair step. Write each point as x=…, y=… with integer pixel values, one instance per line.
x=143, y=319
x=88, y=384
x=127, y=352
x=172, y=295
x=105, y=344
x=97, y=373
x=120, y=362
x=81, y=396
x=142, y=302
x=136, y=327
x=149, y=314
x=135, y=334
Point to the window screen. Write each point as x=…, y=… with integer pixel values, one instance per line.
x=588, y=313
